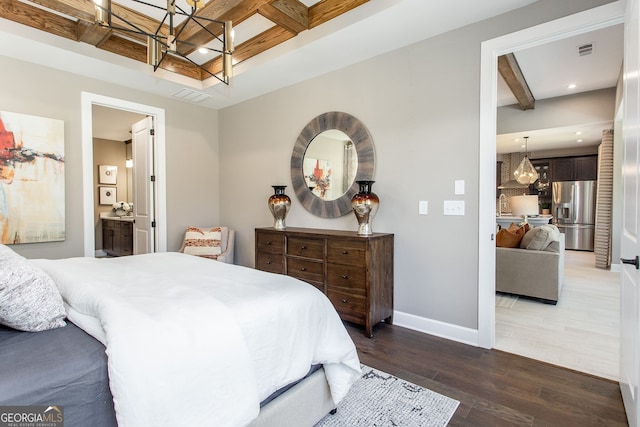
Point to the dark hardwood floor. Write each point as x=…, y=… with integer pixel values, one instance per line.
x=494, y=388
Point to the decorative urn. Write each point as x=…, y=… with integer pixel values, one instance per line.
x=279, y=204
x=365, y=205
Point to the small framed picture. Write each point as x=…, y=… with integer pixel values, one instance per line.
x=107, y=195
x=107, y=174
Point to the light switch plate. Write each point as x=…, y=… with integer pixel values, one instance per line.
x=423, y=207
x=459, y=186
x=454, y=207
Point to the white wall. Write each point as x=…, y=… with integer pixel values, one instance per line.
x=191, y=140
x=421, y=105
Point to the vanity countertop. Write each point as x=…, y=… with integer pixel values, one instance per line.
x=110, y=217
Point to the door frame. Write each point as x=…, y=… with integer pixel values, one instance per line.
x=589, y=20
x=88, y=186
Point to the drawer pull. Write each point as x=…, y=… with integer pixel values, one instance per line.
x=344, y=300
x=268, y=262
x=303, y=269
x=269, y=242
x=303, y=247
x=344, y=276
x=345, y=252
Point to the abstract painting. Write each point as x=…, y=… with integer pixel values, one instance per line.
x=32, y=194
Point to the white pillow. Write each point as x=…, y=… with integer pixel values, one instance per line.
x=203, y=242
x=29, y=300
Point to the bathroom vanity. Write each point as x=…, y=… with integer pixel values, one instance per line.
x=117, y=235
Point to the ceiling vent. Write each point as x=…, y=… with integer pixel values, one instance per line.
x=191, y=95
x=585, y=49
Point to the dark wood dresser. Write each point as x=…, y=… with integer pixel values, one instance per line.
x=355, y=272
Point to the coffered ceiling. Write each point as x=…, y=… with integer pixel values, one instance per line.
x=278, y=42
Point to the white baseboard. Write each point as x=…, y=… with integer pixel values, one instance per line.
x=616, y=268
x=436, y=327
x=100, y=253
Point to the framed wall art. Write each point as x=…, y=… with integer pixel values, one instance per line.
x=32, y=176
x=107, y=174
x=107, y=195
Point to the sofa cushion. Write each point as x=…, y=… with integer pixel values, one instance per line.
x=511, y=237
x=539, y=238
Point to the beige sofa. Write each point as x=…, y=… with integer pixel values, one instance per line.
x=532, y=273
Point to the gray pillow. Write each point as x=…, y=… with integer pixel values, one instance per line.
x=29, y=300
x=538, y=238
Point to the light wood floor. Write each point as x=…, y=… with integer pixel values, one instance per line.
x=580, y=332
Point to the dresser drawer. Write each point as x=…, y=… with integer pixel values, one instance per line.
x=305, y=269
x=273, y=263
x=346, y=252
x=305, y=247
x=270, y=242
x=350, y=307
x=351, y=277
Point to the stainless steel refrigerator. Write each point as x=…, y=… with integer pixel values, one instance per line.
x=574, y=212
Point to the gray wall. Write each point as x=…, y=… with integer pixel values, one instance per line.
x=191, y=140
x=421, y=105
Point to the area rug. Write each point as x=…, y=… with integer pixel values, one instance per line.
x=506, y=300
x=380, y=399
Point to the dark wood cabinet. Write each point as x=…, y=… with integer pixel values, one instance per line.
x=355, y=272
x=586, y=168
x=117, y=237
x=583, y=168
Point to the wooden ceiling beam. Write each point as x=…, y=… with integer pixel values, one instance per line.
x=252, y=47
x=138, y=52
x=235, y=11
x=93, y=33
x=326, y=10
x=39, y=19
x=514, y=78
x=290, y=14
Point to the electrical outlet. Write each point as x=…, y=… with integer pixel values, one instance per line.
x=423, y=207
x=454, y=207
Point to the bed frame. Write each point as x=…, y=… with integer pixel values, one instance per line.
x=61, y=356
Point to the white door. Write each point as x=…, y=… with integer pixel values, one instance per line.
x=143, y=187
x=630, y=239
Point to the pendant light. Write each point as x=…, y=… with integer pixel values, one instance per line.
x=526, y=173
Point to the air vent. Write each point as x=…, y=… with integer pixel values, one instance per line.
x=191, y=95
x=585, y=49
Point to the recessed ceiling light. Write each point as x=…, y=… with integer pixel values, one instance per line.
x=579, y=140
x=579, y=133
x=572, y=86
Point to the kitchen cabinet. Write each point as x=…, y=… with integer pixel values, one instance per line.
x=117, y=237
x=583, y=168
x=354, y=272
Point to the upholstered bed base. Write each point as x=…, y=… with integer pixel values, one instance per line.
x=304, y=404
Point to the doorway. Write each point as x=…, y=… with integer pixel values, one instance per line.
x=590, y=20
x=88, y=100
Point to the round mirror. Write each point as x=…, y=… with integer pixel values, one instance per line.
x=330, y=164
x=331, y=153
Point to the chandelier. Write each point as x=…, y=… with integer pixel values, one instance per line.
x=172, y=37
x=526, y=173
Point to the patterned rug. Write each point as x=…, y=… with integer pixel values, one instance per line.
x=506, y=300
x=380, y=399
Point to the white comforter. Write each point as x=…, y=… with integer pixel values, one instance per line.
x=192, y=341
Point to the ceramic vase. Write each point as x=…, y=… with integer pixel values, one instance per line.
x=279, y=204
x=365, y=205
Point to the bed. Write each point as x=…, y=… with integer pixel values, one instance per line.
x=188, y=341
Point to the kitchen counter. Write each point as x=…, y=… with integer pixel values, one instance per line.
x=505, y=220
